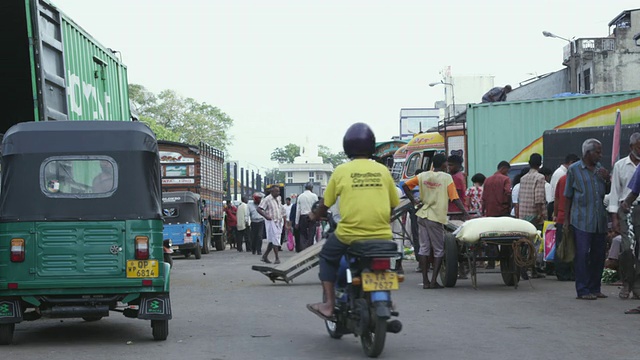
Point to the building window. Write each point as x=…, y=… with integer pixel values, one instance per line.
x=289, y=181
x=587, y=81
x=320, y=177
x=311, y=174
x=290, y=174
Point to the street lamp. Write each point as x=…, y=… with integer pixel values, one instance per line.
x=573, y=77
x=453, y=101
x=453, y=97
x=552, y=35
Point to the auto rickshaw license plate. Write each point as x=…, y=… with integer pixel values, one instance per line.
x=377, y=281
x=142, y=268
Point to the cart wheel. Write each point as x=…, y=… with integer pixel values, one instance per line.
x=449, y=271
x=508, y=270
x=160, y=329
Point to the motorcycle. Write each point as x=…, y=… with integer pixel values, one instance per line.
x=167, y=250
x=363, y=304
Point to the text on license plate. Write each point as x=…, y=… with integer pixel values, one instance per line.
x=376, y=281
x=142, y=268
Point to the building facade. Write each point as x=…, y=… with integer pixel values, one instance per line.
x=307, y=167
x=608, y=64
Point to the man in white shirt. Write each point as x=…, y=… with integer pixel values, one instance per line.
x=560, y=172
x=622, y=173
x=244, y=221
x=306, y=226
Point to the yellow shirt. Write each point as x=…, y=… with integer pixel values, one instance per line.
x=436, y=189
x=367, y=194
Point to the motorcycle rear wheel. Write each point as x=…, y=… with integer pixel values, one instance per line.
x=332, y=327
x=373, y=338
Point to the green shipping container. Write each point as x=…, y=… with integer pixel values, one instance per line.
x=513, y=130
x=54, y=70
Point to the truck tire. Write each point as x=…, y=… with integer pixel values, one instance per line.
x=206, y=239
x=449, y=271
x=91, y=318
x=220, y=245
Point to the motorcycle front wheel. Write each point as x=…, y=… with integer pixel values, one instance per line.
x=373, y=338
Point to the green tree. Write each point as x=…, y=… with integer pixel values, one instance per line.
x=162, y=133
x=192, y=121
x=275, y=174
x=286, y=154
x=329, y=157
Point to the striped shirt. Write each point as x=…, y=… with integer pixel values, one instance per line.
x=273, y=207
x=532, y=194
x=587, y=190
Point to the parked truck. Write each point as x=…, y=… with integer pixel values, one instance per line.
x=54, y=70
x=198, y=169
x=513, y=130
x=559, y=143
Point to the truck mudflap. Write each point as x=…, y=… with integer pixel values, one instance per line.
x=155, y=307
x=10, y=311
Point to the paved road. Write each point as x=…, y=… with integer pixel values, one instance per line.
x=224, y=310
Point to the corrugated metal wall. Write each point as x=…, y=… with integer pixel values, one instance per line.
x=96, y=80
x=512, y=130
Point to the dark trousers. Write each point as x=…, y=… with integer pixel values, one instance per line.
x=564, y=271
x=589, y=261
x=307, y=230
x=242, y=236
x=257, y=231
x=296, y=237
x=330, y=255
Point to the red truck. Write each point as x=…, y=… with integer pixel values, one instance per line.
x=198, y=169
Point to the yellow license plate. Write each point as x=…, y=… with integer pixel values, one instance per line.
x=142, y=268
x=378, y=281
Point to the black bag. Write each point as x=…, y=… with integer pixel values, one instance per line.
x=566, y=251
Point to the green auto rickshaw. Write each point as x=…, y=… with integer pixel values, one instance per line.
x=81, y=224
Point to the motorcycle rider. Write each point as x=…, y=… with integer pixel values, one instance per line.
x=367, y=196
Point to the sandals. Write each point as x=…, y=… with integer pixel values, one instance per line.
x=587, y=297
x=600, y=295
x=624, y=293
x=633, y=311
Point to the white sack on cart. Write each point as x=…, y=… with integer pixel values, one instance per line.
x=472, y=230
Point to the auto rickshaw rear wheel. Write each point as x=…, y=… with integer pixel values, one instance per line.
x=160, y=329
x=6, y=333
x=197, y=252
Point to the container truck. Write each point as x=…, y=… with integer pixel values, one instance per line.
x=559, y=143
x=513, y=130
x=54, y=70
x=198, y=169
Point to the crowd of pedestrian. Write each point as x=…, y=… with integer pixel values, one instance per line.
x=266, y=217
x=572, y=197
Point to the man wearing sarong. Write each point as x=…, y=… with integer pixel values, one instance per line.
x=274, y=214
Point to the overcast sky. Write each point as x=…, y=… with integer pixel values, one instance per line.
x=288, y=69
